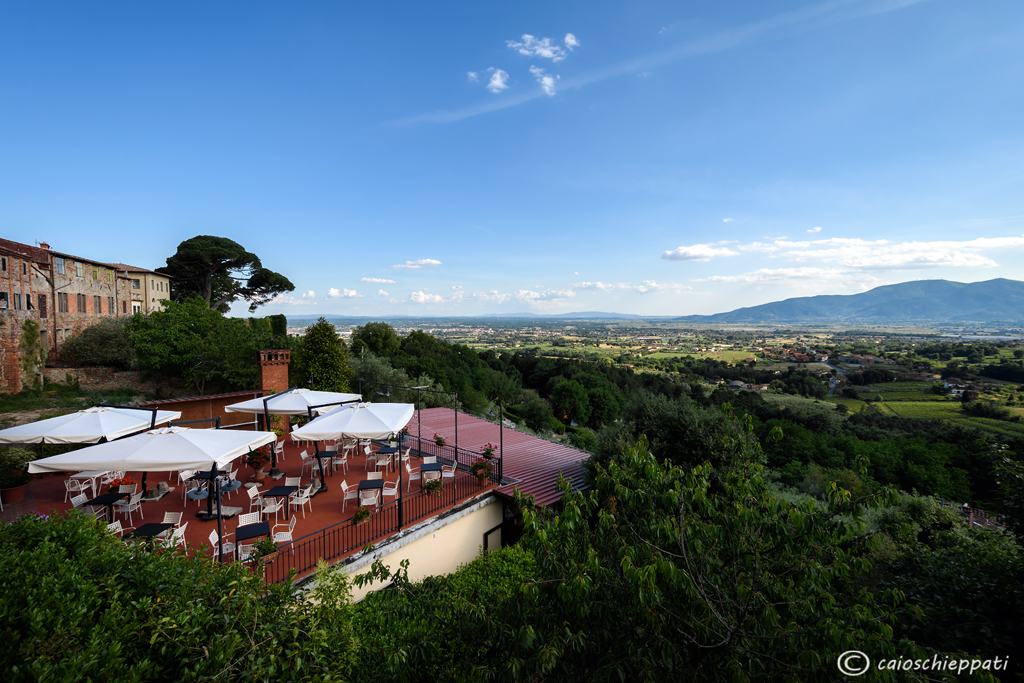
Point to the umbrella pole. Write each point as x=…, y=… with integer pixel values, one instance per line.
x=220, y=524
x=209, y=499
x=320, y=461
x=144, y=491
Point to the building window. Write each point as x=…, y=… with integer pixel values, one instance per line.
x=78, y=269
x=59, y=265
x=111, y=306
x=135, y=284
x=95, y=272
x=28, y=302
x=3, y=299
x=17, y=302
x=60, y=336
x=124, y=306
x=136, y=307
x=24, y=269
x=110, y=275
x=80, y=303
x=3, y=264
x=62, y=302
x=97, y=305
x=42, y=306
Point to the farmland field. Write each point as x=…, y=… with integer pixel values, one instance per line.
x=925, y=409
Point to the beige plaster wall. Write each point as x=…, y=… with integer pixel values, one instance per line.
x=440, y=548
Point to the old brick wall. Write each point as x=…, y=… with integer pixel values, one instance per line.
x=208, y=407
x=94, y=281
x=109, y=379
x=21, y=283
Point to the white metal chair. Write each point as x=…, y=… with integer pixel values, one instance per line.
x=414, y=474
x=293, y=481
x=249, y=518
x=272, y=505
x=301, y=498
x=431, y=476
x=254, y=498
x=280, y=450
x=369, y=497
x=429, y=459
x=448, y=471
x=77, y=486
x=383, y=460
x=116, y=528
x=231, y=484
x=390, y=488
x=284, y=536
x=111, y=476
x=128, y=488
x=350, y=494
x=132, y=504
x=170, y=518
x=183, y=480
x=244, y=551
x=177, y=538
x=307, y=462
x=229, y=548
x=374, y=475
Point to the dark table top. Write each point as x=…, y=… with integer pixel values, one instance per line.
x=244, y=533
x=431, y=467
x=149, y=530
x=107, y=498
x=387, y=450
x=281, y=491
x=366, y=484
x=206, y=474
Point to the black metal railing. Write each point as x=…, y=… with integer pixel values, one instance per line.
x=448, y=454
x=342, y=538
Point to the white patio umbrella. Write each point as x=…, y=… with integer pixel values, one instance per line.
x=291, y=402
x=86, y=426
x=360, y=421
x=162, y=450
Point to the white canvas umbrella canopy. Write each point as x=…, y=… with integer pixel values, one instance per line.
x=291, y=402
x=86, y=426
x=160, y=450
x=361, y=421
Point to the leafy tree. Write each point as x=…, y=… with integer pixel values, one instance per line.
x=79, y=604
x=220, y=271
x=322, y=359
x=569, y=398
x=380, y=338
x=105, y=344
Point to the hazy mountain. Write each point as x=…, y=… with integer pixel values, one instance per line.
x=923, y=300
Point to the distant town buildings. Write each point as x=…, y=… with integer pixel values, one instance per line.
x=64, y=294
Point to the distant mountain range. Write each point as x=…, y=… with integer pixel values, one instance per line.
x=583, y=315
x=924, y=300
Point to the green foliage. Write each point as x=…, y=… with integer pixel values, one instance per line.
x=190, y=341
x=105, y=344
x=81, y=605
x=33, y=353
x=569, y=398
x=380, y=338
x=220, y=271
x=322, y=360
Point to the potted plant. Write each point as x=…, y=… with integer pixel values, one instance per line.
x=257, y=460
x=432, y=486
x=361, y=514
x=116, y=484
x=438, y=439
x=488, y=450
x=14, y=478
x=264, y=550
x=482, y=469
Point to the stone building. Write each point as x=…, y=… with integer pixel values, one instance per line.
x=64, y=294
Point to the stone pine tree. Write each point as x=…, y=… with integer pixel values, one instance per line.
x=323, y=359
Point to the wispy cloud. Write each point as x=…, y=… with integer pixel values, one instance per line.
x=728, y=220
x=697, y=252
x=546, y=295
x=571, y=43
x=381, y=292
x=473, y=77
x=540, y=47
x=789, y=23
x=818, y=229
x=334, y=293
x=424, y=298
x=547, y=81
x=309, y=295
x=417, y=264
x=377, y=280
x=779, y=274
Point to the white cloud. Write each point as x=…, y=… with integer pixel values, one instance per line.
x=424, y=298
x=377, y=280
x=697, y=252
x=498, y=81
x=334, y=293
x=776, y=274
x=571, y=42
x=728, y=220
x=649, y=286
x=309, y=295
x=600, y=286
x=818, y=229
x=473, y=77
x=542, y=47
x=547, y=81
x=394, y=301
x=381, y=292
x=293, y=301
x=546, y=295
x=454, y=287
x=417, y=264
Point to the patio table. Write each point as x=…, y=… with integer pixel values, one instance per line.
x=370, y=484
x=244, y=533
x=148, y=530
x=431, y=467
x=92, y=476
x=107, y=499
x=282, y=492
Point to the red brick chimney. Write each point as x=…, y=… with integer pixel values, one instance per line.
x=274, y=375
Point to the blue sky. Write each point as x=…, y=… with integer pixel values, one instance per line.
x=657, y=158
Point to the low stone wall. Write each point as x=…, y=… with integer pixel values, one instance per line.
x=109, y=379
